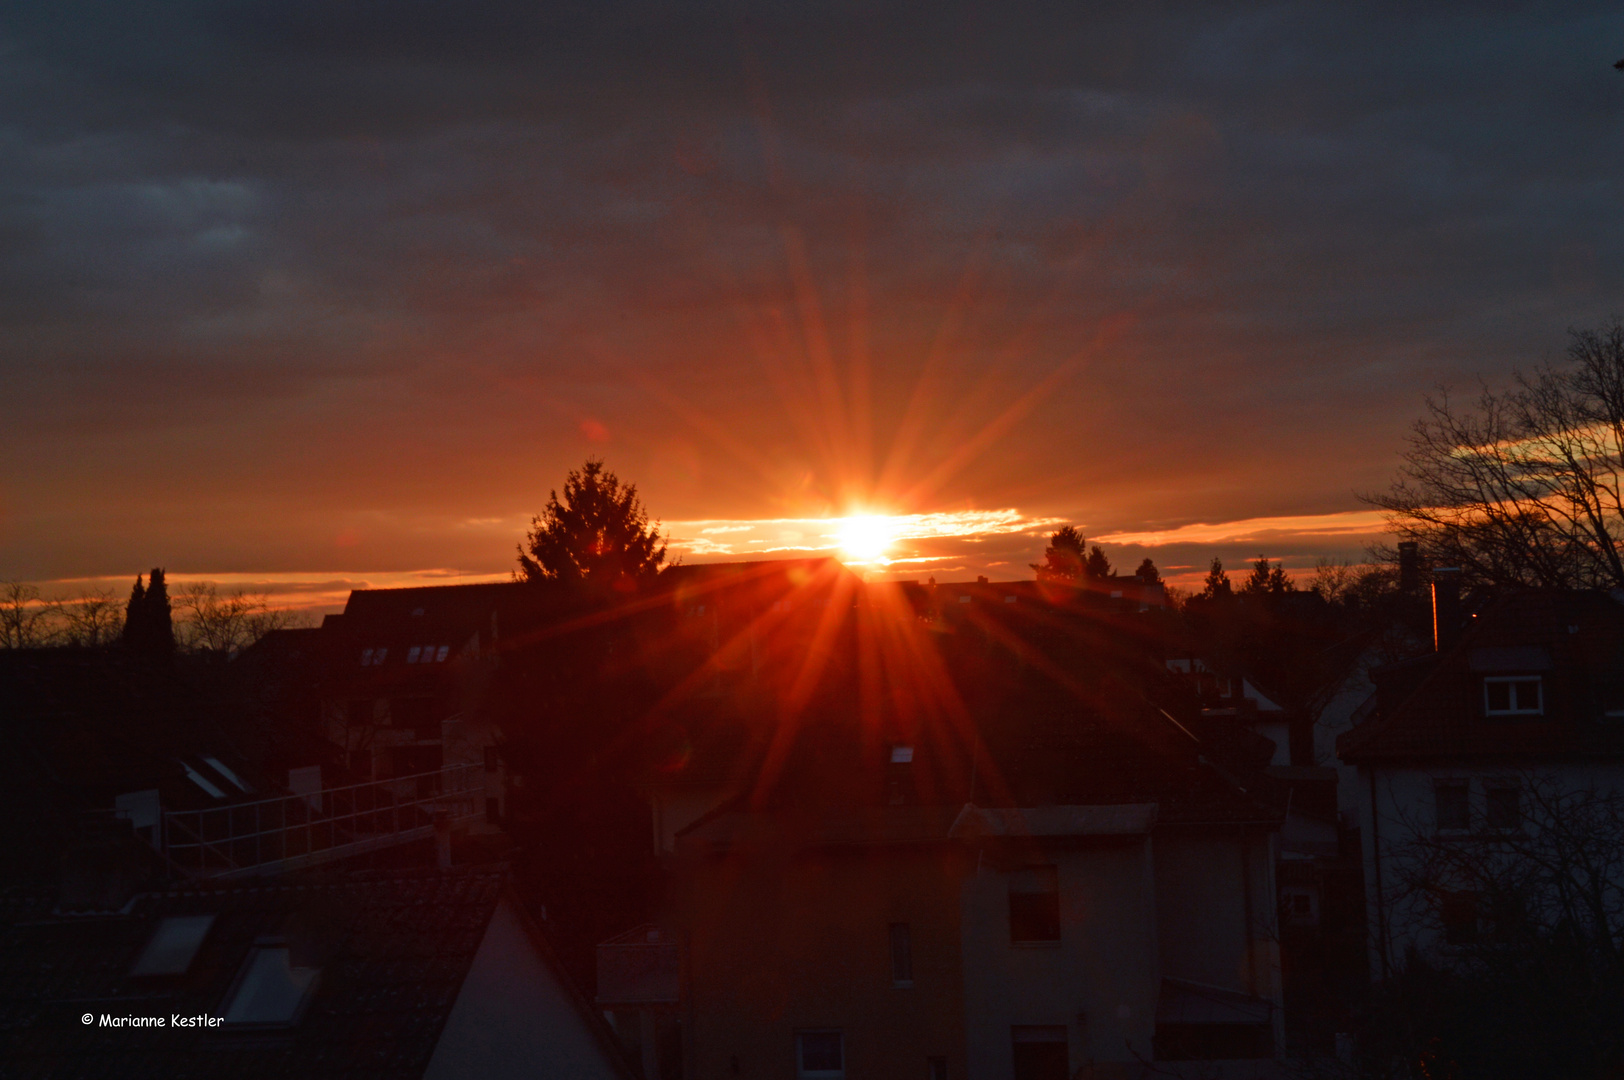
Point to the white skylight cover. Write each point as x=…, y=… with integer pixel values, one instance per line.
x=220, y=767
x=270, y=991
x=174, y=945
x=201, y=781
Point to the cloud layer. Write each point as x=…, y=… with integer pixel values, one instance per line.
x=316, y=286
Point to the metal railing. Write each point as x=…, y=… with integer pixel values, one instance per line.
x=293, y=831
x=640, y=967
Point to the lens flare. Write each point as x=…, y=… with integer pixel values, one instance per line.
x=865, y=537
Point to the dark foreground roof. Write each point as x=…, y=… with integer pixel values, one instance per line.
x=393, y=951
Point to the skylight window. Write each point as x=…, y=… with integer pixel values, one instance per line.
x=220, y=767
x=202, y=781
x=173, y=945
x=270, y=991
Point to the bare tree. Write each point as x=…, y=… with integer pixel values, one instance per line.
x=225, y=623
x=26, y=621
x=1332, y=580
x=1528, y=487
x=95, y=617
x=1528, y=907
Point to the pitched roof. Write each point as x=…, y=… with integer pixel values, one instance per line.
x=393, y=950
x=1573, y=640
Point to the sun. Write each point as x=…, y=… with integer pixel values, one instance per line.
x=865, y=537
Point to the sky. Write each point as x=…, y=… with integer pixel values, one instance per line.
x=310, y=295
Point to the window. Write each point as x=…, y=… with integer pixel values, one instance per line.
x=442, y=653
x=413, y=653
x=1504, y=807
x=173, y=946
x=902, y=755
x=820, y=1054
x=1458, y=912
x=270, y=991
x=1505, y=695
x=366, y=657
x=964, y=599
x=1301, y=907
x=1451, y=800
x=901, y=955
x=1034, y=905
x=378, y=655
x=1007, y=600
x=1040, y=1053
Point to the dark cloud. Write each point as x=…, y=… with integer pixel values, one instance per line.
x=340, y=258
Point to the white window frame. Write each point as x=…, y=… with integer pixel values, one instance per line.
x=1511, y=682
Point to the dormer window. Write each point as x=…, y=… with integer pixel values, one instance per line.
x=1513, y=695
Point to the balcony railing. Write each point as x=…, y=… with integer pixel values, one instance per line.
x=292, y=831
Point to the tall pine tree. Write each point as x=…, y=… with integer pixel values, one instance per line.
x=149, y=628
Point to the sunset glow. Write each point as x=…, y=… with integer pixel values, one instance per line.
x=866, y=537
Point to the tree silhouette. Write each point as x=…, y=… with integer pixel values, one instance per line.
x=1527, y=488
x=597, y=533
x=1147, y=572
x=1097, y=567
x=1063, y=558
x=1217, y=586
x=149, y=628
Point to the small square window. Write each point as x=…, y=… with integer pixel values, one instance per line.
x=901, y=955
x=964, y=599
x=378, y=655
x=412, y=654
x=820, y=1055
x=366, y=657
x=1034, y=905
x=442, y=653
x=1503, y=807
x=1513, y=696
x=902, y=755
x=1009, y=599
x=1452, y=807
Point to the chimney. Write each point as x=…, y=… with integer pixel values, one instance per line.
x=1445, y=606
x=1409, y=566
